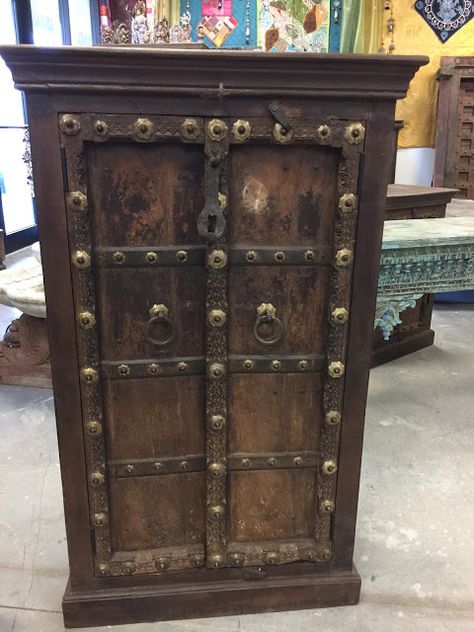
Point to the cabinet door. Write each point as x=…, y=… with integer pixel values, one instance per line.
x=280, y=278
x=211, y=265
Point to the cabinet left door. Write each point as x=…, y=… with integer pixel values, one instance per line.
x=134, y=187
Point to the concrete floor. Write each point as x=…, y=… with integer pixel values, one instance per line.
x=414, y=545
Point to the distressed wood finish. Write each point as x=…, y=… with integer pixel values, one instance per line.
x=210, y=369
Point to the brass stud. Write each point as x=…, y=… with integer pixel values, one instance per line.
x=279, y=256
x=143, y=128
x=217, y=259
x=158, y=467
x=272, y=461
x=303, y=365
x=182, y=256
x=216, y=317
x=271, y=558
x=118, y=257
x=158, y=309
x=153, y=368
x=216, y=470
x=182, y=366
x=151, y=257
x=89, y=375
x=189, y=129
x=347, y=202
x=298, y=461
x=276, y=365
x=324, y=131
x=241, y=130
x=101, y=128
x=216, y=129
x=129, y=469
x=197, y=560
x=333, y=418
x=81, y=259
x=103, y=570
x=339, y=315
x=245, y=463
x=216, y=561
x=93, y=428
x=69, y=124
x=310, y=556
x=216, y=371
x=96, y=479
x=100, y=519
x=248, y=364
x=327, y=506
x=123, y=370
x=336, y=369
x=329, y=468
x=86, y=320
x=128, y=568
x=184, y=465
x=343, y=258
x=324, y=555
x=236, y=559
x=251, y=256
x=216, y=422
x=282, y=135
x=216, y=512
x=355, y=133
x=162, y=563
x=76, y=201
x=309, y=255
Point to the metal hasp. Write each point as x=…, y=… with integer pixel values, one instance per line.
x=211, y=221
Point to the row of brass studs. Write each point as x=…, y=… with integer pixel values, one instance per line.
x=272, y=461
x=150, y=257
x=161, y=564
x=158, y=466
x=275, y=365
x=279, y=256
x=125, y=370
x=143, y=129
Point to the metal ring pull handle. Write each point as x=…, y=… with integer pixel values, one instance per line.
x=159, y=321
x=267, y=329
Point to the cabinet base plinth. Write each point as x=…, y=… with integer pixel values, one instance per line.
x=133, y=605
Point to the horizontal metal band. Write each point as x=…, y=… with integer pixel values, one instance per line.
x=149, y=257
x=130, y=369
x=273, y=553
x=151, y=467
x=276, y=364
x=272, y=461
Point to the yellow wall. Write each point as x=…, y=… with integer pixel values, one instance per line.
x=413, y=36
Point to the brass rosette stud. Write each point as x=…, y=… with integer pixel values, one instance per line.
x=143, y=129
x=89, y=375
x=216, y=371
x=101, y=128
x=329, y=468
x=241, y=130
x=324, y=132
x=118, y=257
x=86, y=320
x=216, y=317
x=216, y=513
x=324, y=555
x=100, y=519
x=327, y=506
x=216, y=423
x=236, y=559
x=282, y=135
x=128, y=568
x=348, y=203
x=96, y=479
x=216, y=130
x=76, y=201
x=343, y=258
x=339, y=315
x=94, y=428
x=248, y=364
x=182, y=256
x=123, y=370
x=217, y=259
x=216, y=470
x=153, y=368
x=332, y=418
x=81, y=259
x=336, y=369
x=189, y=129
x=151, y=257
x=162, y=563
x=355, y=133
x=69, y=124
x=271, y=558
x=103, y=570
x=216, y=561
x=197, y=560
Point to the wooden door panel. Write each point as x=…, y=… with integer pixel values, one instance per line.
x=125, y=297
x=271, y=505
x=155, y=417
x=268, y=207
x=146, y=514
x=145, y=194
x=299, y=295
x=273, y=413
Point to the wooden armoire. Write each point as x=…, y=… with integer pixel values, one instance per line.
x=211, y=225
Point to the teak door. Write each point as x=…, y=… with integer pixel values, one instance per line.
x=212, y=293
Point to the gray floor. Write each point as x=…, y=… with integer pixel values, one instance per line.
x=414, y=550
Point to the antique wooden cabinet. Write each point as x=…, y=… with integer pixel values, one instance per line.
x=211, y=227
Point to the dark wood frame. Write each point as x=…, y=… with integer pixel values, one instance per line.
x=234, y=84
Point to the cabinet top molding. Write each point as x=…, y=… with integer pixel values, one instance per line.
x=217, y=73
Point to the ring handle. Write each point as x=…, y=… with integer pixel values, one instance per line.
x=159, y=318
x=266, y=315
